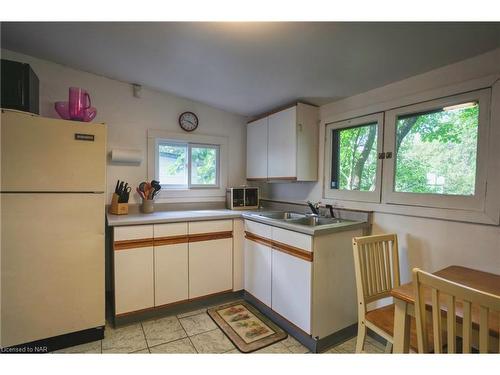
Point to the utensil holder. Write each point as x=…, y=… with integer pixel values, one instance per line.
x=118, y=208
x=147, y=206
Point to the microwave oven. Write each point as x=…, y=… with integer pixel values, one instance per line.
x=242, y=198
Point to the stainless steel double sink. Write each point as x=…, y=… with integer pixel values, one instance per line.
x=301, y=219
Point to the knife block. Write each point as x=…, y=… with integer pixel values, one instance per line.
x=118, y=208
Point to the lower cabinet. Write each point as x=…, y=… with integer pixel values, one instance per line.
x=171, y=273
x=134, y=284
x=291, y=288
x=258, y=271
x=210, y=267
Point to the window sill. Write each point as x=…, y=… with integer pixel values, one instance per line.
x=478, y=217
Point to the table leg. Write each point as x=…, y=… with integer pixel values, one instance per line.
x=401, y=327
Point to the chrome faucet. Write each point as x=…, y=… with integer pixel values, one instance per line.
x=314, y=207
x=330, y=207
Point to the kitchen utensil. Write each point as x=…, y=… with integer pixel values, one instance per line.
x=79, y=101
x=125, y=194
x=62, y=109
x=156, y=188
x=155, y=193
x=120, y=188
x=147, y=190
x=116, y=187
x=142, y=186
x=141, y=194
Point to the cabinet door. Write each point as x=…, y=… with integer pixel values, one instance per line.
x=258, y=271
x=134, y=282
x=210, y=267
x=291, y=285
x=257, y=149
x=282, y=144
x=238, y=254
x=171, y=273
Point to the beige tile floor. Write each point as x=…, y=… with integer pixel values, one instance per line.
x=193, y=332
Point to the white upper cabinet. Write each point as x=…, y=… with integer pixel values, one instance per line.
x=282, y=144
x=257, y=149
x=291, y=145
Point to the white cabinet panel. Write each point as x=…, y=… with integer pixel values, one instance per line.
x=238, y=254
x=258, y=271
x=210, y=267
x=134, y=282
x=295, y=239
x=257, y=149
x=171, y=273
x=133, y=232
x=282, y=144
x=258, y=229
x=170, y=229
x=291, y=287
x=210, y=226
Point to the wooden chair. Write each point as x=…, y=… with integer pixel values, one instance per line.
x=376, y=264
x=468, y=299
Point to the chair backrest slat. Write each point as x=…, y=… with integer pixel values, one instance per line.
x=467, y=327
x=450, y=323
x=378, y=271
x=395, y=260
x=387, y=256
x=436, y=321
x=452, y=292
x=483, y=329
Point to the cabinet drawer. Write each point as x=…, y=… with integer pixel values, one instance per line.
x=198, y=227
x=258, y=229
x=133, y=232
x=134, y=289
x=288, y=237
x=170, y=229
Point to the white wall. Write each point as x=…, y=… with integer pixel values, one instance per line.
x=129, y=118
x=427, y=243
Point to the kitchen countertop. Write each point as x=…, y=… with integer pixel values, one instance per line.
x=310, y=230
x=200, y=215
x=170, y=217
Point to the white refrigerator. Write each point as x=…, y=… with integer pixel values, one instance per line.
x=52, y=200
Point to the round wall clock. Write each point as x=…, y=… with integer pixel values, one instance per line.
x=188, y=121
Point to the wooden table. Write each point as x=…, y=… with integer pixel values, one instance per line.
x=404, y=300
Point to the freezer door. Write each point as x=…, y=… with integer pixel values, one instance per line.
x=52, y=268
x=42, y=154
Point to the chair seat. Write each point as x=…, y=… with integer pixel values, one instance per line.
x=383, y=318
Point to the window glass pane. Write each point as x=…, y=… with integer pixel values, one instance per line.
x=172, y=160
x=354, y=164
x=203, y=165
x=436, y=151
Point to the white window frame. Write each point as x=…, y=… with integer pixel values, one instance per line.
x=353, y=195
x=197, y=193
x=469, y=203
x=189, y=146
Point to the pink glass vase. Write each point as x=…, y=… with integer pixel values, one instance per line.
x=79, y=102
